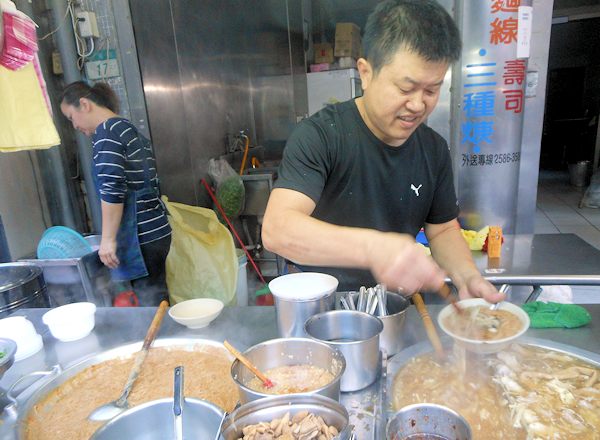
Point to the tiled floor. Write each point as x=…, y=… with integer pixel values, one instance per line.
x=558, y=209
x=558, y=212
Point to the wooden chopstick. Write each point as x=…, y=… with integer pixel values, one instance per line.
x=265, y=380
x=428, y=323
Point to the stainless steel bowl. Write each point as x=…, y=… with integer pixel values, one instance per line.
x=428, y=419
x=289, y=351
x=155, y=421
x=275, y=407
x=8, y=348
x=356, y=335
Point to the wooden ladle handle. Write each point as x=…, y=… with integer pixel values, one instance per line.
x=141, y=355
x=239, y=356
x=428, y=323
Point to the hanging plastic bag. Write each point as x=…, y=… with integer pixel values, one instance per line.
x=230, y=189
x=202, y=262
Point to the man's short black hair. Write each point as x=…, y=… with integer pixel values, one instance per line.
x=420, y=26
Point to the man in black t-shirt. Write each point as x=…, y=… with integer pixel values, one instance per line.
x=359, y=179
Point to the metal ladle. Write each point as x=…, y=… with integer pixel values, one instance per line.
x=114, y=408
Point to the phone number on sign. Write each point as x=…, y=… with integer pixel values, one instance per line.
x=480, y=160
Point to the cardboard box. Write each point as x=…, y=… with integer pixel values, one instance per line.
x=347, y=40
x=346, y=30
x=320, y=67
x=323, y=53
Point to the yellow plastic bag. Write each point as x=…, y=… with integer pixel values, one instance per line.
x=202, y=262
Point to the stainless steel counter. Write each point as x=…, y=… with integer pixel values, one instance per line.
x=543, y=259
x=244, y=327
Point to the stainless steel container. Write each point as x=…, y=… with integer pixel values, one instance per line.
x=155, y=421
x=299, y=296
x=289, y=351
x=356, y=335
x=275, y=407
x=427, y=419
x=390, y=339
x=22, y=285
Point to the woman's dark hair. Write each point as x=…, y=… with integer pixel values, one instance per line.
x=420, y=26
x=99, y=93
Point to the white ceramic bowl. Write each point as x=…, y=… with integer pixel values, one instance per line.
x=22, y=331
x=303, y=286
x=196, y=313
x=484, y=347
x=71, y=321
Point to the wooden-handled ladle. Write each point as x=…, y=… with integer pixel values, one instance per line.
x=112, y=409
x=244, y=360
x=429, y=327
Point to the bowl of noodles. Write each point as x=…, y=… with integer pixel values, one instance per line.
x=480, y=329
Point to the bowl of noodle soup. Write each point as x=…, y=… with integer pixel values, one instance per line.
x=481, y=330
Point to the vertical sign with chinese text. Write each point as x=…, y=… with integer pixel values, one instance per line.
x=490, y=115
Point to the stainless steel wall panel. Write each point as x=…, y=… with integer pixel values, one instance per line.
x=205, y=67
x=155, y=40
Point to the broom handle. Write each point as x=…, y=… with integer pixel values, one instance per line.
x=216, y=202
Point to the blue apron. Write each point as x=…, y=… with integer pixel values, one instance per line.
x=131, y=262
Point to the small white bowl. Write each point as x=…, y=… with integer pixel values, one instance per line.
x=196, y=313
x=23, y=332
x=484, y=347
x=71, y=321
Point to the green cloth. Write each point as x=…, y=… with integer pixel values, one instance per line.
x=548, y=315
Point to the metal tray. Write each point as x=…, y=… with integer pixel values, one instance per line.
x=398, y=361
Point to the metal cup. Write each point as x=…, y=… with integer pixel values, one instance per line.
x=356, y=335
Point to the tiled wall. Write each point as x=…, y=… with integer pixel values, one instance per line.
x=106, y=27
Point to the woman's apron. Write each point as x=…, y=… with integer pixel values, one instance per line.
x=131, y=262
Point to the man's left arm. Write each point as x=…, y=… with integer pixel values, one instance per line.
x=450, y=251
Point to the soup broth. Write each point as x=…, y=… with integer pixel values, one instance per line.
x=522, y=393
x=290, y=379
x=482, y=324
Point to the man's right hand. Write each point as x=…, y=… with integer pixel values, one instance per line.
x=397, y=261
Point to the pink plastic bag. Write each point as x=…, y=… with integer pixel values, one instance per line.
x=20, y=41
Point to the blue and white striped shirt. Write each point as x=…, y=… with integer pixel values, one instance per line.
x=119, y=167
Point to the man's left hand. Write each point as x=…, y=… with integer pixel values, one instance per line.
x=478, y=287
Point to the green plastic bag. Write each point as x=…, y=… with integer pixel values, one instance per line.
x=202, y=262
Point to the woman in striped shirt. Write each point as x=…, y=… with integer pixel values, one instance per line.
x=136, y=235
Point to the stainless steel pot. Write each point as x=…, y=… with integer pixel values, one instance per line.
x=424, y=420
x=275, y=407
x=21, y=285
x=16, y=413
x=289, y=351
x=154, y=421
x=356, y=335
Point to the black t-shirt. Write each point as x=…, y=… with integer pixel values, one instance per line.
x=357, y=180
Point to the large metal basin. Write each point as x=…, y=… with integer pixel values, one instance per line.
x=17, y=413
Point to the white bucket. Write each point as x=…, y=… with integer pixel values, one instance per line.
x=241, y=289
